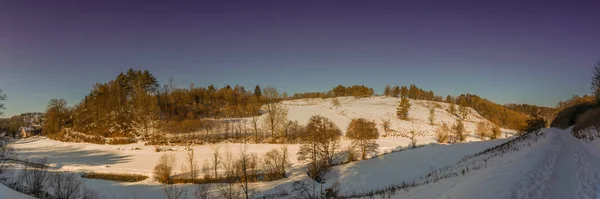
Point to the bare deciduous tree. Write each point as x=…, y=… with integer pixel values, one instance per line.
x=164, y=168
x=192, y=164
x=275, y=163
x=202, y=191
x=66, y=186
x=385, y=125
x=255, y=129
x=174, y=192
x=276, y=113
x=35, y=179
x=6, y=154
x=216, y=159
x=321, y=141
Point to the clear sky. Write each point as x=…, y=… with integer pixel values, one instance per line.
x=508, y=51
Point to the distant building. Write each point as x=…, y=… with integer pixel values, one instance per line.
x=25, y=132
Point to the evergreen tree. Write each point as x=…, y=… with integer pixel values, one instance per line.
x=403, y=108
x=396, y=91
x=463, y=109
x=413, y=92
x=448, y=99
x=403, y=92
x=257, y=92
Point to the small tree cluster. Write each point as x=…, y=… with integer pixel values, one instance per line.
x=483, y=129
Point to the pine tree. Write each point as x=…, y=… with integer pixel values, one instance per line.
x=403, y=92
x=448, y=99
x=257, y=92
x=396, y=91
x=403, y=108
x=413, y=92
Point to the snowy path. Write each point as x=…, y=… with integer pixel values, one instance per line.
x=568, y=170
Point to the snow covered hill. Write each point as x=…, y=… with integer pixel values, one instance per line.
x=359, y=176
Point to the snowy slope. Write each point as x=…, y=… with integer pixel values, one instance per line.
x=140, y=159
x=7, y=193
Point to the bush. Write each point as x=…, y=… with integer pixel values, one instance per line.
x=115, y=177
x=460, y=134
x=164, y=168
x=442, y=134
x=590, y=118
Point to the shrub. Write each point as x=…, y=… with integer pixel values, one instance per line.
x=115, y=177
x=442, y=134
x=164, y=168
x=460, y=134
x=588, y=119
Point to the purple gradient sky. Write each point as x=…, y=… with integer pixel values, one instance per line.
x=508, y=51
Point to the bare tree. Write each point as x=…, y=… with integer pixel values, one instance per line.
x=66, y=186
x=255, y=129
x=363, y=133
x=413, y=139
x=216, y=159
x=6, y=154
x=385, y=125
x=192, y=164
x=203, y=191
x=321, y=141
x=163, y=170
x=275, y=163
x=276, y=113
x=174, y=192
x=35, y=179
x=244, y=176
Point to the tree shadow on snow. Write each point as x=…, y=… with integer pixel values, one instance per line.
x=73, y=156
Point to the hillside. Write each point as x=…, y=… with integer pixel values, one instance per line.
x=140, y=159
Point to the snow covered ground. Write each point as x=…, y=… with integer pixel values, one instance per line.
x=359, y=176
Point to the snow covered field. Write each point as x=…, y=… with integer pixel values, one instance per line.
x=359, y=176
